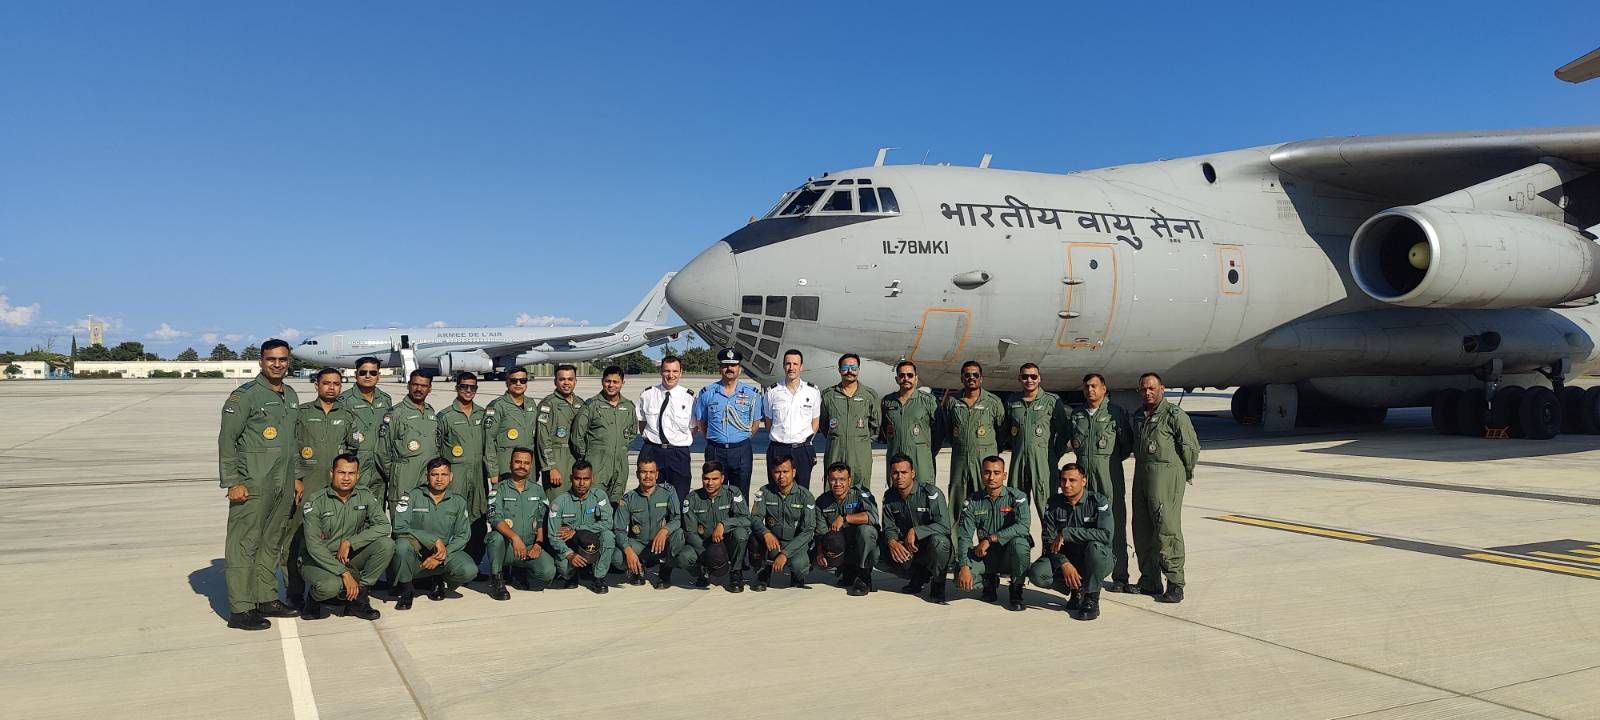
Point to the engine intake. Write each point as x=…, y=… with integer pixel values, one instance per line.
x=452, y=363
x=1442, y=257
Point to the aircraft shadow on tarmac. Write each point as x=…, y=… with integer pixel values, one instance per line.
x=208, y=582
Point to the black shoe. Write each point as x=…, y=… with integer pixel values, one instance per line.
x=736, y=581
x=1173, y=595
x=702, y=581
x=600, y=586
x=296, y=597
x=497, y=588
x=664, y=580
x=847, y=578
x=436, y=592
x=1088, y=607
x=859, y=589
x=1014, y=603
x=763, y=580
x=313, y=610
x=402, y=599
x=1117, y=586
x=936, y=595
x=919, y=578
x=248, y=620
x=448, y=591
x=519, y=582
x=635, y=579
x=796, y=580
x=362, y=608
x=1142, y=589
x=991, y=588
x=276, y=609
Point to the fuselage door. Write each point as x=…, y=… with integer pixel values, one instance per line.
x=941, y=335
x=338, y=346
x=1088, y=296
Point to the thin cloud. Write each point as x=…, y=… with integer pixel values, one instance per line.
x=17, y=315
x=440, y=324
x=288, y=333
x=166, y=333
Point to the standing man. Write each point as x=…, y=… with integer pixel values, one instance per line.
x=256, y=458
x=997, y=517
x=517, y=545
x=579, y=529
x=648, y=528
x=408, y=438
x=508, y=423
x=602, y=431
x=728, y=413
x=851, y=417
x=909, y=418
x=848, y=511
x=794, y=409
x=461, y=440
x=783, y=522
x=1102, y=438
x=666, y=420
x=716, y=527
x=1038, y=428
x=1076, y=530
x=916, y=534
x=971, y=422
x=324, y=432
x=1164, y=453
x=430, y=538
x=367, y=404
x=345, y=545
x=553, y=430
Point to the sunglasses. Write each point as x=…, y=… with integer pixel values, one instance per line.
x=468, y=388
x=1030, y=377
x=849, y=368
x=366, y=373
x=971, y=375
x=516, y=381
x=901, y=375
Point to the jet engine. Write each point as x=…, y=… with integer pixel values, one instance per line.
x=1444, y=257
x=454, y=362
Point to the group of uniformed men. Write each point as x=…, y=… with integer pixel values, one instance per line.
x=346, y=488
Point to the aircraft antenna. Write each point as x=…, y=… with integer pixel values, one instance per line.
x=984, y=163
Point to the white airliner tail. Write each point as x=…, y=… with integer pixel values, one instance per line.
x=653, y=308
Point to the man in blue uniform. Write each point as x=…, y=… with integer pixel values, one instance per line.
x=728, y=413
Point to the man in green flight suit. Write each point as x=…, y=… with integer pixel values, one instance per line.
x=461, y=440
x=851, y=417
x=916, y=534
x=409, y=438
x=346, y=544
x=553, y=431
x=367, y=404
x=325, y=432
x=716, y=527
x=783, y=523
x=430, y=538
x=256, y=458
x=1037, y=432
x=1164, y=453
x=518, y=517
x=601, y=433
x=909, y=419
x=508, y=423
x=971, y=423
x=997, y=518
x=1102, y=438
x=578, y=529
x=648, y=529
x=847, y=516
x=1076, y=529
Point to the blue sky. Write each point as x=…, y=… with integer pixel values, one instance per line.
x=203, y=172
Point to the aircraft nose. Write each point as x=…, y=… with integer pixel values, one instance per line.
x=707, y=288
x=303, y=352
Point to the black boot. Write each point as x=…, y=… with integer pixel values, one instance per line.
x=1173, y=595
x=919, y=577
x=847, y=577
x=497, y=588
x=361, y=607
x=313, y=610
x=600, y=586
x=701, y=581
x=248, y=620
x=635, y=579
x=861, y=585
x=796, y=580
x=1088, y=607
x=408, y=593
x=664, y=579
x=436, y=588
x=736, y=581
x=991, y=588
x=276, y=609
x=763, y=579
x=1015, y=601
x=936, y=595
x=1119, y=586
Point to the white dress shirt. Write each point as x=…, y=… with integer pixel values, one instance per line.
x=677, y=419
x=791, y=413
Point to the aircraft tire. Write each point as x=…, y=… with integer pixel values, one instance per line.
x=1447, y=412
x=1470, y=413
x=1589, y=411
x=1247, y=404
x=1371, y=416
x=1540, y=413
x=1506, y=412
x=1572, y=410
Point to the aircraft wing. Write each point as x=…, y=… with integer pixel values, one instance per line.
x=1408, y=169
x=655, y=335
x=509, y=348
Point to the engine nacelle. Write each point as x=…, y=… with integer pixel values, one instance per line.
x=454, y=362
x=1443, y=257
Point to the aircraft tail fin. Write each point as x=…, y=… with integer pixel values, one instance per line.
x=653, y=308
x=1584, y=68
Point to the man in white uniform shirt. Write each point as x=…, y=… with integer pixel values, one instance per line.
x=666, y=422
x=794, y=412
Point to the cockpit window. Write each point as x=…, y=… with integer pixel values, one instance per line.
x=886, y=196
x=782, y=200
x=802, y=202
x=869, y=200
x=839, y=202
x=308, y=342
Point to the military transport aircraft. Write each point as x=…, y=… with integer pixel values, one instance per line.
x=491, y=349
x=1329, y=279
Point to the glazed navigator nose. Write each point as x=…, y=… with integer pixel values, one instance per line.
x=707, y=288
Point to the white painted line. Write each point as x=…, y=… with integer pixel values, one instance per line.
x=294, y=665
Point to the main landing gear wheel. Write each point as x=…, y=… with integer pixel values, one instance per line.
x=1589, y=411
x=1539, y=414
x=1447, y=412
x=1572, y=410
x=1470, y=413
x=1506, y=411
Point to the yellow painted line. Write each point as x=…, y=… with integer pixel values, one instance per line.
x=1291, y=527
x=1524, y=562
x=1582, y=551
x=1594, y=545
x=1570, y=558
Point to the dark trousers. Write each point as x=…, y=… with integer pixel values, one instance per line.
x=672, y=461
x=478, y=540
x=805, y=456
x=736, y=459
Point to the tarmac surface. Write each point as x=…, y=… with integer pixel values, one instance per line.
x=1337, y=573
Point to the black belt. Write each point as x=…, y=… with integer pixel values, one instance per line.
x=664, y=445
x=726, y=446
x=806, y=443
